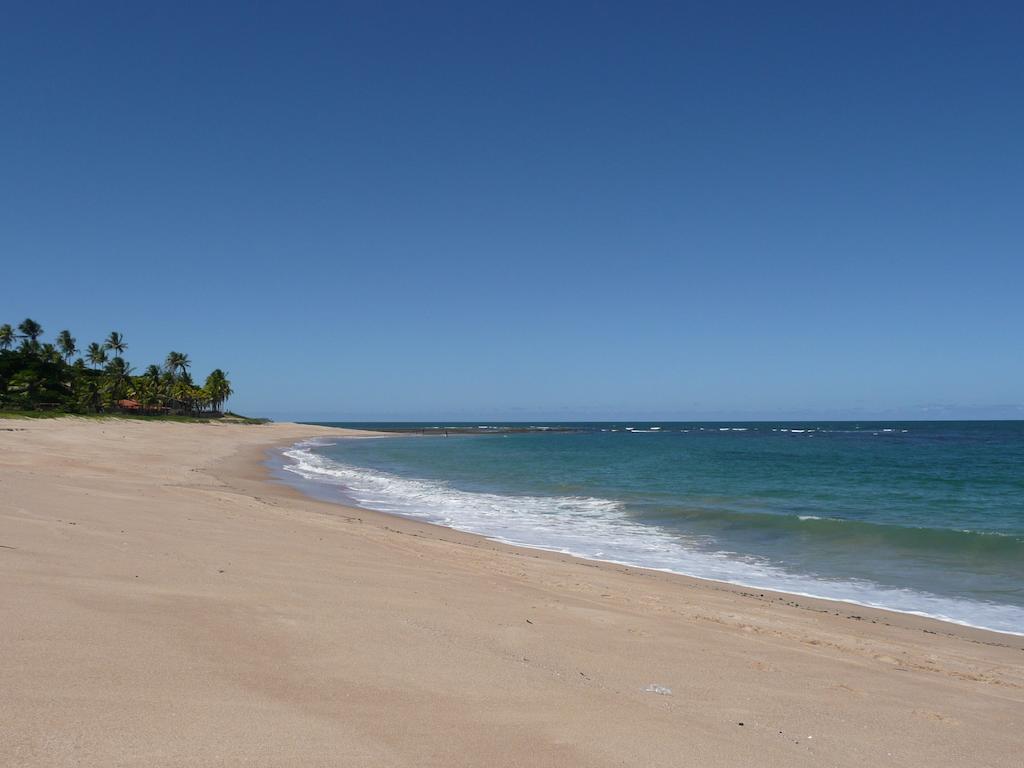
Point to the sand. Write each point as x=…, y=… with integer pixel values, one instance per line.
x=164, y=603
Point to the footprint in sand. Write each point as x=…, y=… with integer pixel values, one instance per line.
x=848, y=689
x=936, y=716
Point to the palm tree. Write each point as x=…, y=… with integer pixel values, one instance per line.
x=218, y=388
x=167, y=383
x=90, y=396
x=184, y=392
x=25, y=387
x=118, y=374
x=154, y=377
x=6, y=336
x=177, y=363
x=30, y=330
x=66, y=344
x=50, y=354
x=115, y=342
x=153, y=385
x=201, y=399
x=96, y=355
x=144, y=390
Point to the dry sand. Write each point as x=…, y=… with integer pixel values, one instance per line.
x=162, y=603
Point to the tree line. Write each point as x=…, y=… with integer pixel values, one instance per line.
x=59, y=375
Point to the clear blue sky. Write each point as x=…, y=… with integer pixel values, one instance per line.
x=590, y=210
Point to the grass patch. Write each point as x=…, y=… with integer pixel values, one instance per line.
x=234, y=418
x=32, y=414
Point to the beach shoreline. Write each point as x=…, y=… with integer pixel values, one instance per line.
x=313, y=490
x=166, y=592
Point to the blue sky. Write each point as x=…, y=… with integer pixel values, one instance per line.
x=551, y=210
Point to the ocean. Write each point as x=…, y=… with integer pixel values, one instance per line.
x=920, y=517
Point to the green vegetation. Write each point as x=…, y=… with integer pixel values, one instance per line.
x=40, y=379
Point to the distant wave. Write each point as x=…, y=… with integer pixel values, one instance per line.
x=601, y=529
x=863, y=533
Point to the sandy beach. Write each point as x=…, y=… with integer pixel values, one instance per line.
x=163, y=602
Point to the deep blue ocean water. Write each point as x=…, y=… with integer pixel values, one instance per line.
x=924, y=517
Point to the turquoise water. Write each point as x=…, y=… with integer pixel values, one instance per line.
x=923, y=517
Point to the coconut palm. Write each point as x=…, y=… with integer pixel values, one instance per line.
x=96, y=355
x=118, y=376
x=153, y=385
x=218, y=388
x=154, y=376
x=177, y=364
x=167, y=382
x=115, y=342
x=90, y=394
x=185, y=393
x=49, y=353
x=30, y=330
x=66, y=344
x=201, y=399
x=6, y=336
x=146, y=392
x=25, y=388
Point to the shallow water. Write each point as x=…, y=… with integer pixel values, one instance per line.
x=922, y=517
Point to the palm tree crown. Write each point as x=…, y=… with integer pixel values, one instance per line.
x=96, y=354
x=66, y=344
x=177, y=363
x=50, y=354
x=218, y=388
x=118, y=375
x=30, y=329
x=6, y=336
x=115, y=342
